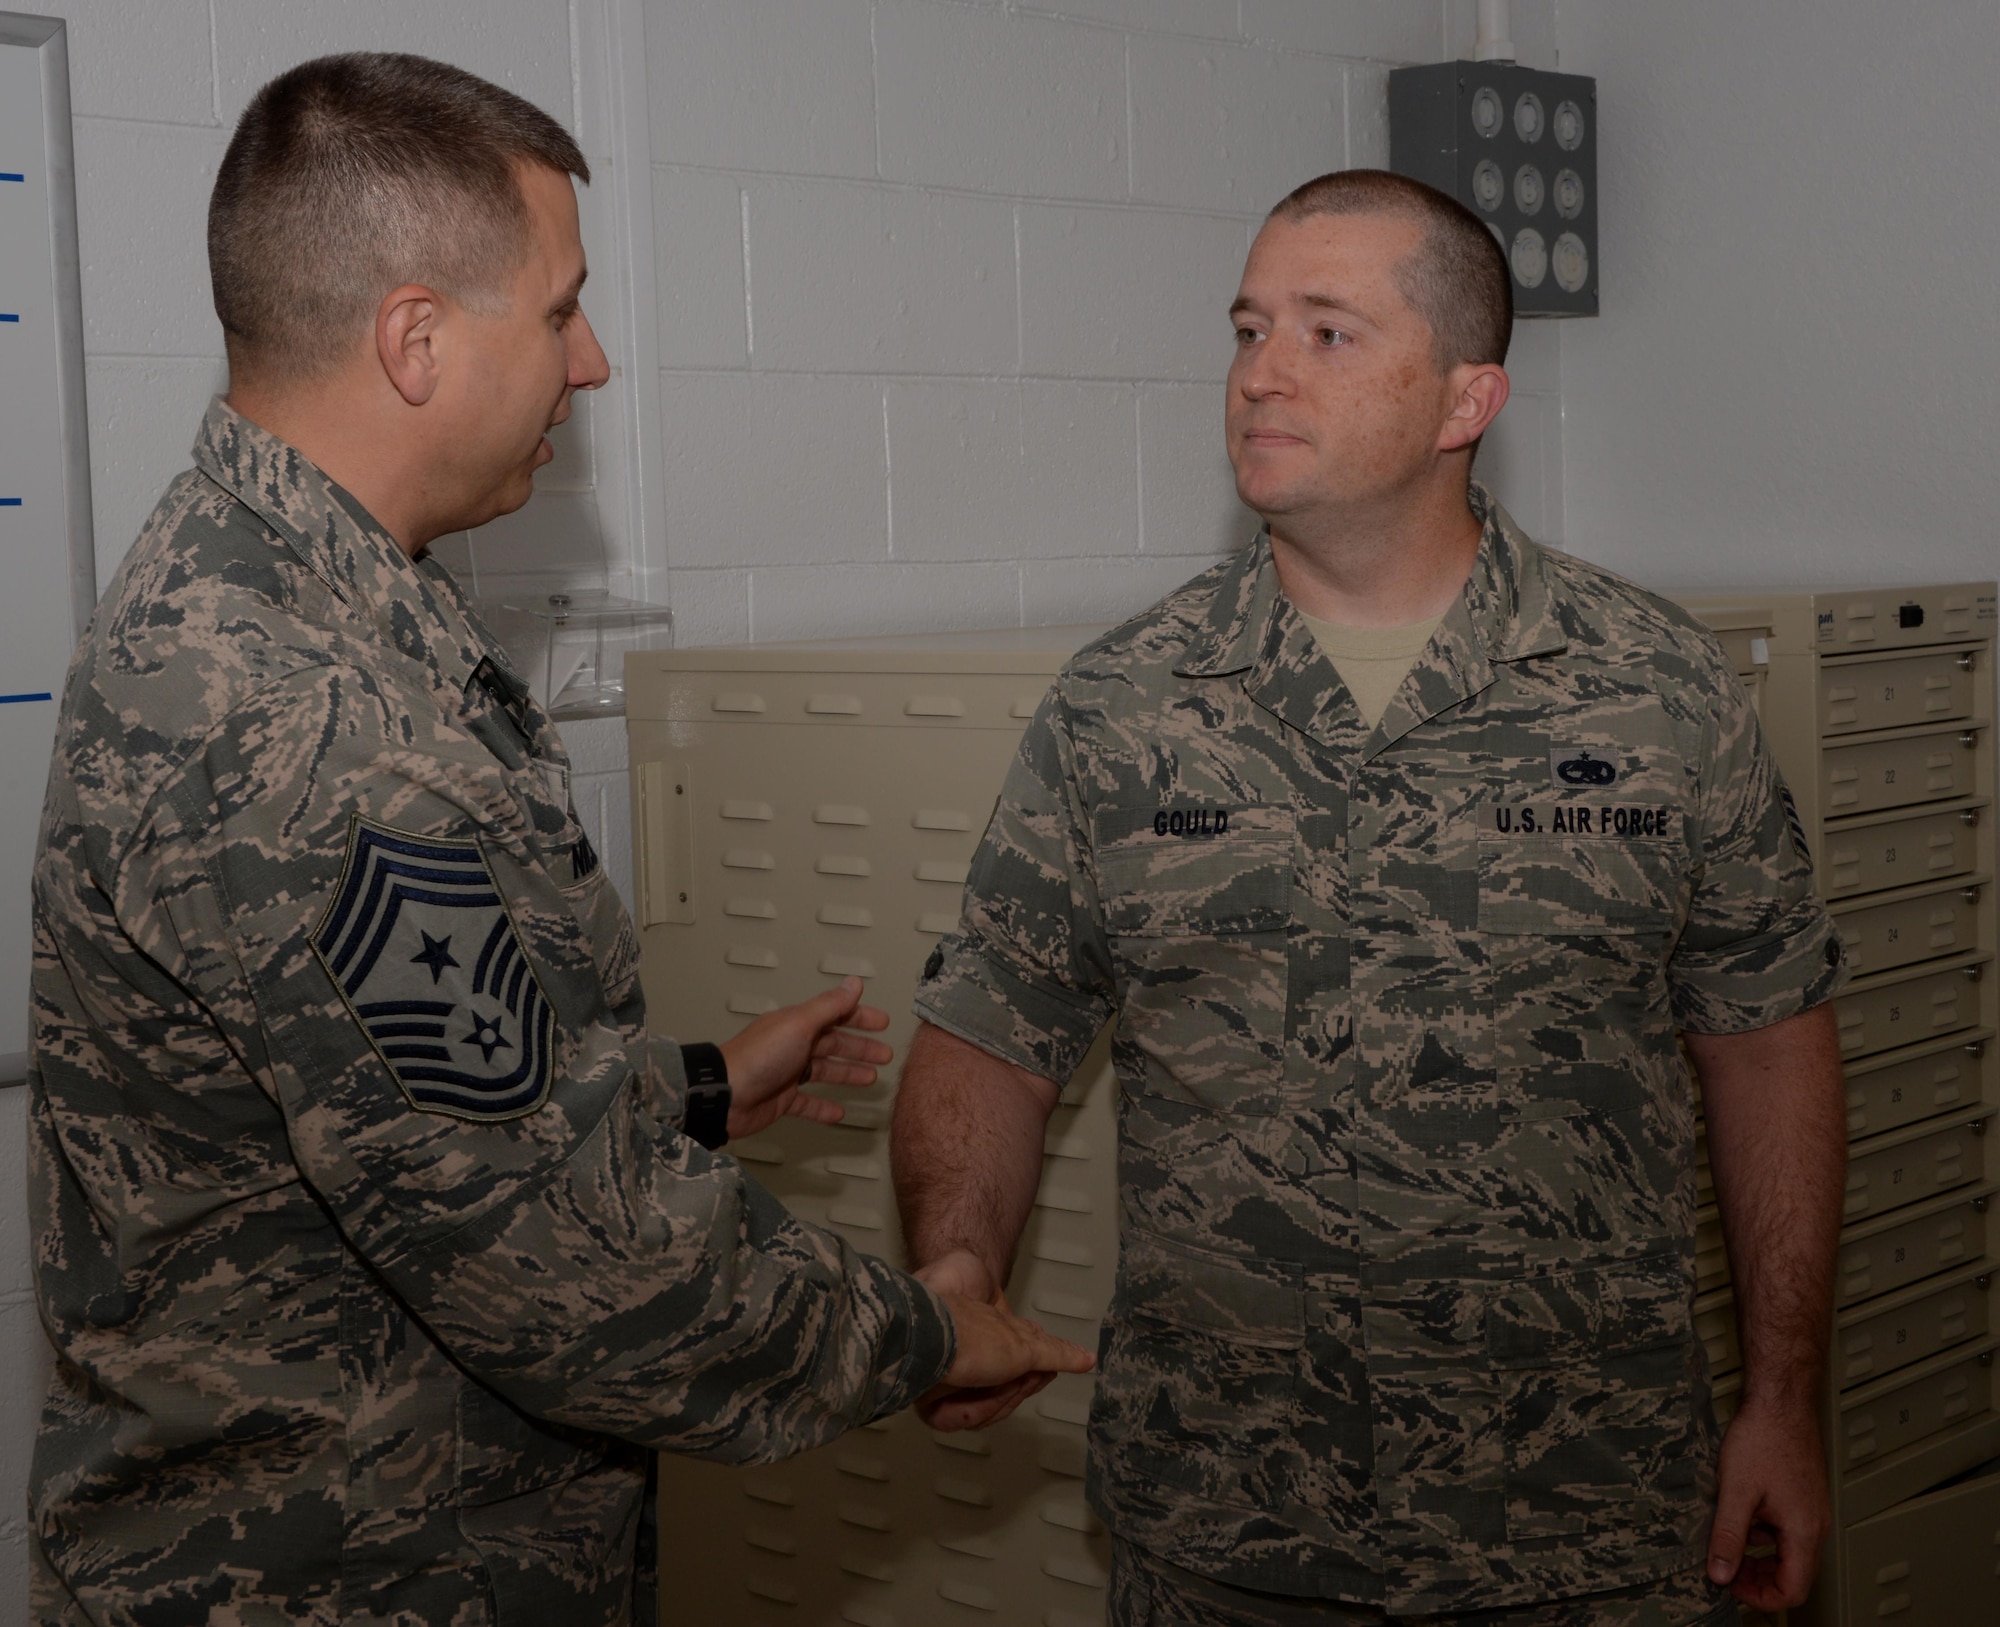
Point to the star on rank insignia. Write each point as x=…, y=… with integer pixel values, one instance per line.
x=424, y=952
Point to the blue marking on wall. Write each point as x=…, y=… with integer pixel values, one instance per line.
x=16, y=700
x=8, y=316
x=10, y=502
x=13, y=177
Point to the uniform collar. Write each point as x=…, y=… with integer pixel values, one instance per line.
x=415, y=607
x=1507, y=612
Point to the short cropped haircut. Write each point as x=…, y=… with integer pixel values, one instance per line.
x=1456, y=279
x=349, y=176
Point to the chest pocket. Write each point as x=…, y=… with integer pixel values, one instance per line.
x=1577, y=932
x=1199, y=926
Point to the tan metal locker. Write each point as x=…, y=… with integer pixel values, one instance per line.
x=804, y=812
x=1880, y=707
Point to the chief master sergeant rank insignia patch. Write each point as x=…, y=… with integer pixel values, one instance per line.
x=424, y=952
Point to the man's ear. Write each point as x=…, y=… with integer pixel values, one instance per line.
x=406, y=334
x=1479, y=391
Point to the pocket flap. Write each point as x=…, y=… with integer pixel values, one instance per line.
x=1568, y=1315
x=1250, y=1301
x=1234, y=874
x=1543, y=884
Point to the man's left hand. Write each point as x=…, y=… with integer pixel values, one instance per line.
x=1770, y=1494
x=814, y=1042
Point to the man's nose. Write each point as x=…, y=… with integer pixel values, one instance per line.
x=589, y=367
x=1263, y=371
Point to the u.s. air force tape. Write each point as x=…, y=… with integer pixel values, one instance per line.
x=422, y=949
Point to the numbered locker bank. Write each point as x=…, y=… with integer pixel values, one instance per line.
x=800, y=814
x=1880, y=707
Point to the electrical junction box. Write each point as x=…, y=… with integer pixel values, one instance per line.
x=1518, y=147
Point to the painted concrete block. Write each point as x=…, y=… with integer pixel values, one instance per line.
x=698, y=269
x=127, y=61
x=1204, y=19
x=1513, y=462
x=999, y=470
x=1187, y=490
x=1231, y=127
x=847, y=278
x=820, y=601
x=999, y=102
x=768, y=470
x=1055, y=592
x=557, y=533
x=142, y=224
x=521, y=44
x=1127, y=293
x=1534, y=359
x=1188, y=502
x=1386, y=30
x=772, y=85
x=143, y=417
x=1367, y=116
x=710, y=607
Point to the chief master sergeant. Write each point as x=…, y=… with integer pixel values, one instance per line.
x=378, y=1239
x=1401, y=848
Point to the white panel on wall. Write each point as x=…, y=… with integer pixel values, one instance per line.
x=48, y=577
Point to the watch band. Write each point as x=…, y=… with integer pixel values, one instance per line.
x=707, y=1117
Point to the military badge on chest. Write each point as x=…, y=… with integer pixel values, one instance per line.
x=427, y=958
x=1595, y=795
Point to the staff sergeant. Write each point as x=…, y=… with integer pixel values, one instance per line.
x=1403, y=851
x=380, y=1242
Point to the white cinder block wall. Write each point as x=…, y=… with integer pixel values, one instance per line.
x=1792, y=379
x=934, y=307
x=941, y=292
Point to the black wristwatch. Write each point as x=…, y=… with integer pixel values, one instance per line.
x=707, y=1116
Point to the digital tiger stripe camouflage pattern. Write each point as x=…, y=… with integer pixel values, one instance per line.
x=349, y=1332
x=1406, y=1137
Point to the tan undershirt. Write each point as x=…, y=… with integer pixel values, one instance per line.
x=1372, y=661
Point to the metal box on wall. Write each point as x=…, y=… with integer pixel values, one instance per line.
x=1518, y=147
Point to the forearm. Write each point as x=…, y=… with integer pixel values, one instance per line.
x=965, y=1148
x=1777, y=1145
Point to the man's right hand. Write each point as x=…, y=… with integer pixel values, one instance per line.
x=1002, y=1360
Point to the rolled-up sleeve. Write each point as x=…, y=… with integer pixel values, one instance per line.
x=1758, y=945
x=1027, y=976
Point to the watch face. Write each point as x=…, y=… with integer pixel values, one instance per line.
x=1486, y=111
x=1528, y=117
x=1489, y=187
x=1569, y=127
x=1571, y=263
x=1528, y=190
x=1569, y=194
x=1530, y=258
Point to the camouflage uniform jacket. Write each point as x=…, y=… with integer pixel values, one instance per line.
x=370, y=1246
x=1406, y=1141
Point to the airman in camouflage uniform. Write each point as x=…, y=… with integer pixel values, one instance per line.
x=379, y=1241
x=1406, y=1142
x=1403, y=1318
x=340, y=1341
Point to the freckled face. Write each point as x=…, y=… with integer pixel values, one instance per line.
x=1335, y=397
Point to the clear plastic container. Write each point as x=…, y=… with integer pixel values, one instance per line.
x=571, y=646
